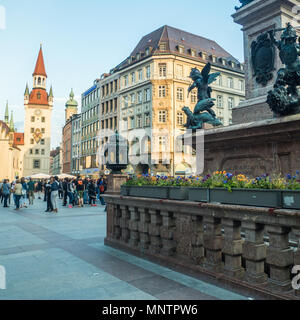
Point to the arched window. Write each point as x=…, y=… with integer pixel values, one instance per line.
x=39, y=81
x=35, y=81
x=43, y=81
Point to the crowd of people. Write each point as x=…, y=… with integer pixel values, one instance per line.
x=73, y=192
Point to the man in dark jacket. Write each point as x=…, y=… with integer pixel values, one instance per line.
x=48, y=196
x=65, y=191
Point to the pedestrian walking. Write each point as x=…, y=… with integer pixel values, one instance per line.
x=30, y=185
x=80, y=190
x=18, y=193
x=65, y=191
x=54, y=192
x=24, y=193
x=102, y=189
x=71, y=192
x=60, y=190
x=5, y=191
x=48, y=196
x=91, y=188
x=39, y=188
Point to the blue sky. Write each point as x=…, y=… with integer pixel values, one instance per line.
x=83, y=39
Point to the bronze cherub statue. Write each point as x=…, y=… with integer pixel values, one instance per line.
x=196, y=119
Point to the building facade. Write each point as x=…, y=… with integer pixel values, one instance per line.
x=109, y=85
x=71, y=114
x=154, y=83
x=37, y=129
x=11, y=149
x=90, y=124
x=56, y=161
x=76, y=145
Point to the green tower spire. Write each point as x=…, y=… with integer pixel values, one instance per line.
x=72, y=103
x=11, y=122
x=26, y=90
x=51, y=93
x=6, y=116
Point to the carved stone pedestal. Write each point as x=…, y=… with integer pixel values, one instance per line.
x=257, y=17
x=254, y=252
x=280, y=258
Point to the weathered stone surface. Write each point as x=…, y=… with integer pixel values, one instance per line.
x=233, y=247
x=197, y=235
x=143, y=227
x=280, y=258
x=154, y=230
x=133, y=225
x=166, y=233
x=297, y=258
x=213, y=242
x=255, y=252
x=253, y=148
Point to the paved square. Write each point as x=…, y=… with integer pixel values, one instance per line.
x=62, y=257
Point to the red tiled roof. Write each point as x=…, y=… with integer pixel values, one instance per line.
x=18, y=139
x=40, y=66
x=38, y=96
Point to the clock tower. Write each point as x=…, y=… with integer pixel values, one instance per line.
x=37, y=126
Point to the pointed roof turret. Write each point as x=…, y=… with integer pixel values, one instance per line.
x=40, y=66
x=51, y=93
x=11, y=122
x=72, y=102
x=26, y=90
x=6, y=117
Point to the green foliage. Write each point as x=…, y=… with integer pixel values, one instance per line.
x=220, y=179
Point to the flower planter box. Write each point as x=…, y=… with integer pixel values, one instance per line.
x=199, y=194
x=125, y=190
x=291, y=199
x=178, y=193
x=247, y=197
x=148, y=192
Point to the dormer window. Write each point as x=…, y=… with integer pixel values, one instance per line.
x=181, y=49
x=193, y=52
x=202, y=55
x=163, y=46
x=137, y=56
x=147, y=51
x=213, y=58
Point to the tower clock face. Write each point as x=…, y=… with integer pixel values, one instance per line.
x=38, y=112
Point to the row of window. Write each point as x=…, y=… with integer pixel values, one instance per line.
x=43, y=119
x=230, y=102
x=94, y=127
x=134, y=77
x=109, y=88
x=109, y=106
x=111, y=123
x=141, y=120
x=231, y=83
x=32, y=130
x=37, y=151
x=91, y=97
x=42, y=141
x=162, y=72
x=139, y=97
x=88, y=145
x=90, y=113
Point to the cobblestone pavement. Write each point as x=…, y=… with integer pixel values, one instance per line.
x=63, y=257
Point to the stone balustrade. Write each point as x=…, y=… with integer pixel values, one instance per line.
x=223, y=240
